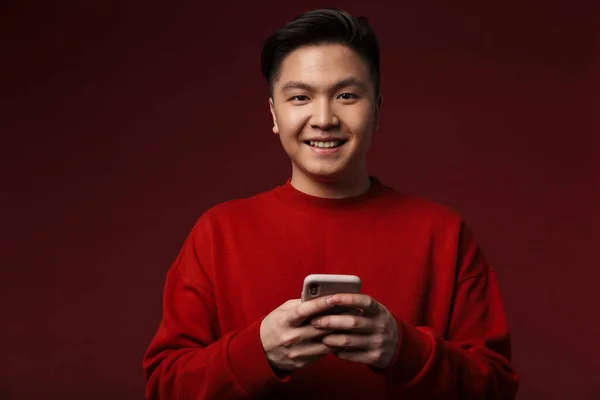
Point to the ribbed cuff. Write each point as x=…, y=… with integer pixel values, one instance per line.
x=249, y=363
x=414, y=349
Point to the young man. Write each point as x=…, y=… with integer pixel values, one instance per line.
x=432, y=322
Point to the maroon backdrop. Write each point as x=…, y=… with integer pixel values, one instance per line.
x=123, y=121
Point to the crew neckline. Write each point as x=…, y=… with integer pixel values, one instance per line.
x=294, y=197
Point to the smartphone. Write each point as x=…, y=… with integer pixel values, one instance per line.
x=319, y=285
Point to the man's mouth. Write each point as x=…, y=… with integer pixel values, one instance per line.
x=329, y=144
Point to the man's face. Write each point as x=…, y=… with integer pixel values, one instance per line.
x=324, y=111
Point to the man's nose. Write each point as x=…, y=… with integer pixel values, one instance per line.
x=324, y=116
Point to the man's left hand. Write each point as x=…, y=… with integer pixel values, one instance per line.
x=370, y=338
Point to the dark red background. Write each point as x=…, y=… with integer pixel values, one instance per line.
x=123, y=121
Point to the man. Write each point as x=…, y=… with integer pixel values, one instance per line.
x=432, y=322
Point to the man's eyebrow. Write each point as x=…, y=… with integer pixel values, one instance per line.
x=349, y=82
x=339, y=85
x=295, y=85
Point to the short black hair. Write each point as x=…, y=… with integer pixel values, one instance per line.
x=322, y=26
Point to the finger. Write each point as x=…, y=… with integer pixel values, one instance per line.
x=350, y=342
x=375, y=358
x=305, y=333
x=309, y=332
x=367, y=304
x=359, y=356
x=297, y=315
x=306, y=350
x=352, y=323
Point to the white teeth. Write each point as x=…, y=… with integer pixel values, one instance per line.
x=325, y=145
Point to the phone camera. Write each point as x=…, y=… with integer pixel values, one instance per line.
x=313, y=289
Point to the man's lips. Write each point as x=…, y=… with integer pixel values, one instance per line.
x=325, y=146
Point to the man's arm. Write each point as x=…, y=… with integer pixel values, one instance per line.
x=188, y=358
x=473, y=361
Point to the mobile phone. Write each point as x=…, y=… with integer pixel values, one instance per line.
x=319, y=285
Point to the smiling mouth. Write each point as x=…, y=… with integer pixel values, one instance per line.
x=331, y=144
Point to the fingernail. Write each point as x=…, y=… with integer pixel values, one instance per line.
x=329, y=300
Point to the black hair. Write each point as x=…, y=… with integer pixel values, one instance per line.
x=316, y=27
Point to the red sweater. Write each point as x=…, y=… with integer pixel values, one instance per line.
x=246, y=257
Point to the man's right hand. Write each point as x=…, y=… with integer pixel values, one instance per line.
x=288, y=343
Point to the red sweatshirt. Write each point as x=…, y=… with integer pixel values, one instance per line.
x=246, y=257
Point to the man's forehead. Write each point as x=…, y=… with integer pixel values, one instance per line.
x=322, y=56
x=322, y=65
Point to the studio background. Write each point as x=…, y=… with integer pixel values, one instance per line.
x=122, y=121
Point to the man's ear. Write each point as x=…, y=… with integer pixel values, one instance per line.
x=378, y=110
x=272, y=108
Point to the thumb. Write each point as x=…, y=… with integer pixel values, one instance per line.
x=290, y=304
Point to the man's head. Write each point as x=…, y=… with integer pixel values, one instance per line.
x=323, y=73
x=325, y=26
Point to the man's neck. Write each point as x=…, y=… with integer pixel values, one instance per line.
x=350, y=187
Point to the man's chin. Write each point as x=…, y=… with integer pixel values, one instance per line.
x=325, y=176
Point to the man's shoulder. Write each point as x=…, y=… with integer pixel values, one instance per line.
x=421, y=218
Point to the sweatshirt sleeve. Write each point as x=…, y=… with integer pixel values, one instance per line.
x=188, y=357
x=473, y=360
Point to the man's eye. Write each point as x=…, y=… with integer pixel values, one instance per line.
x=348, y=96
x=299, y=98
